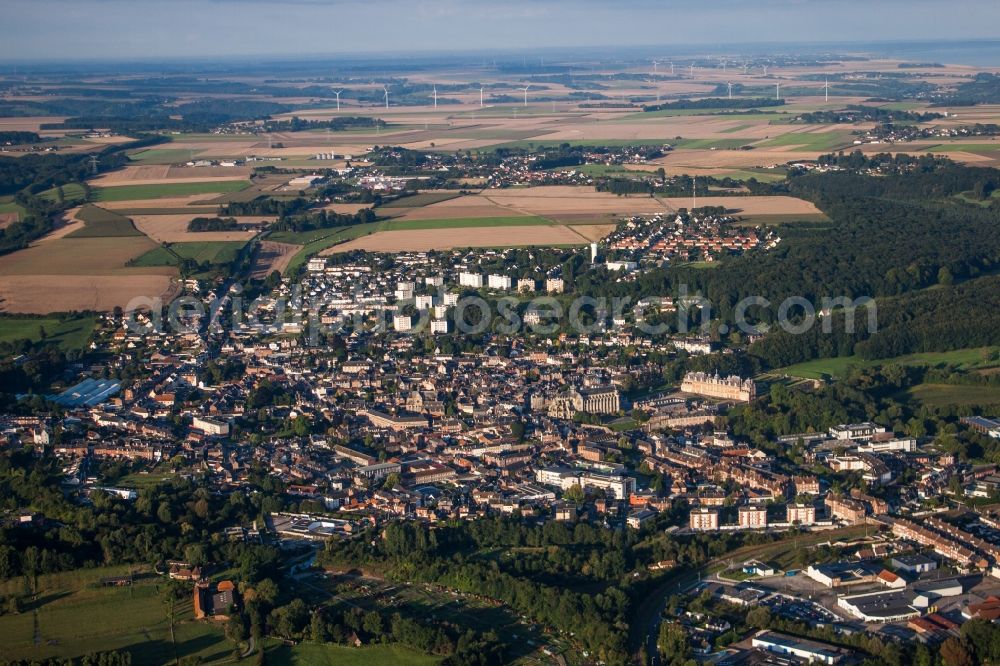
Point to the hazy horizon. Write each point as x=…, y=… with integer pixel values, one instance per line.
x=148, y=29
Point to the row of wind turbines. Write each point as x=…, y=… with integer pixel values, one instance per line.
x=434, y=96
x=746, y=71
x=656, y=63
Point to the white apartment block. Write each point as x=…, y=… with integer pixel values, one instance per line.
x=474, y=280
x=402, y=322
x=499, y=282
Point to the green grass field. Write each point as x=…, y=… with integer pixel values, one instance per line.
x=129, y=192
x=463, y=222
x=707, y=144
x=71, y=192
x=762, y=175
x=99, y=223
x=420, y=200
x=774, y=219
x=838, y=367
x=161, y=156
x=214, y=252
x=967, y=197
x=941, y=395
x=322, y=654
x=7, y=205
x=75, y=616
x=809, y=141
x=72, y=333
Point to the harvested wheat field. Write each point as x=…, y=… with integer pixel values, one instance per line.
x=173, y=228
x=7, y=219
x=29, y=123
x=460, y=208
x=593, y=232
x=56, y=274
x=42, y=294
x=561, y=200
x=419, y=240
x=155, y=174
x=273, y=256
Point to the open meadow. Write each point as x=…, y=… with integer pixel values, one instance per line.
x=74, y=614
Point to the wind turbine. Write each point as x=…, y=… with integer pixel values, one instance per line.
x=730, y=90
x=723, y=65
x=435, y=96
x=692, y=70
x=386, y=89
x=671, y=68
x=746, y=67
x=826, y=89
x=480, y=97
x=337, y=93
x=526, y=94
x=777, y=90
x=765, y=69
x=656, y=65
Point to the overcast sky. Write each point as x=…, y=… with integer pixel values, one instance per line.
x=129, y=29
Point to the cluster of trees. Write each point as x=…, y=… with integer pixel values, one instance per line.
x=222, y=371
x=459, y=647
x=444, y=556
x=885, y=163
x=296, y=124
x=14, y=138
x=324, y=219
x=855, y=113
x=265, y=205
x=213, y=224
x=683, y=185
x=113, y=658
x=717, y=103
